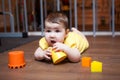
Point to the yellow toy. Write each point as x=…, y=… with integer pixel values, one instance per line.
x=96, y=66
x=58, y=56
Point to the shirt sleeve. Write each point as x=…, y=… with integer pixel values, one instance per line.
x=43, y=43
x=75, y=40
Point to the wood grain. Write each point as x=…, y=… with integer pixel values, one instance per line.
x=103, y=48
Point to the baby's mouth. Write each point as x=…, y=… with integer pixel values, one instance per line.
x=52, y=41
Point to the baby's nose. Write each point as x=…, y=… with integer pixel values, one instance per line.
x=52, y=35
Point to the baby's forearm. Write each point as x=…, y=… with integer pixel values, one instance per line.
x=73, y=54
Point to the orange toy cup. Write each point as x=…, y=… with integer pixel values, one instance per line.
x=58, y=56
x=16, y=59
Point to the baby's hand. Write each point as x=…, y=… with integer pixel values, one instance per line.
x=47, y=54
x=59, y=46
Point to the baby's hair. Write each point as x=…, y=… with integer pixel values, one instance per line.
x=58, y=17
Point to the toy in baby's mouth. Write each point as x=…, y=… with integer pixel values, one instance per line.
x=57, y=56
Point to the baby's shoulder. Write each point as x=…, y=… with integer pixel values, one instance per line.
x=43, y=43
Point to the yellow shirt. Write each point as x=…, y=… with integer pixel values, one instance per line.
x=72, y=40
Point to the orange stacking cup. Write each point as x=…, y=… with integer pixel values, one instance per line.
x=16, y=59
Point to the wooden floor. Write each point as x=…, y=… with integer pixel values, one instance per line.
x=104, y=49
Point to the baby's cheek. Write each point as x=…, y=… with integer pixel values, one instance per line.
x=61, y=39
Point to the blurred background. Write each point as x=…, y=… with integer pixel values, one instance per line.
x=25, y=18
x=86, y=15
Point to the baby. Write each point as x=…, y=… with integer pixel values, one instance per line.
x=58, y=36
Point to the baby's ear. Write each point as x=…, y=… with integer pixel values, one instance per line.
x=67, y=31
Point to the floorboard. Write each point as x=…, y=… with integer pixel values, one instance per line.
x=103, y=48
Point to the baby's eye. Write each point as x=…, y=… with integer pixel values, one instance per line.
x=48, y=31
x=57, y=31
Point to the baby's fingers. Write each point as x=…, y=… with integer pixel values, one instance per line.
x=56, y=49
x=47, y=57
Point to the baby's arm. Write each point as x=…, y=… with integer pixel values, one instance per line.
x=42, y=54
x=73, y=54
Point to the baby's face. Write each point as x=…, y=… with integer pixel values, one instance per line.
x=54, y=33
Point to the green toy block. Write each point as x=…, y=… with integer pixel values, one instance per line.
x=96, y=66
